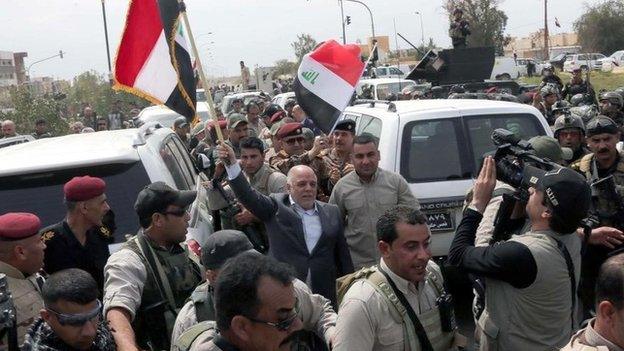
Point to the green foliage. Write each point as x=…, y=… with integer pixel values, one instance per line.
x=601, y=27
x=284, y=67
x=487, y=22
x=24, y=107
x=304, y=44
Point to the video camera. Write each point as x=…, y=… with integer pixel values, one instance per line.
x=512, y=156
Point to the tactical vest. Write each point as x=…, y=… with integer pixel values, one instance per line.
x=606, y=209
x=171, y=278
x=536, y=317
x=430, y=320
x=260, y=180
x=186, y=340
x=203, y=301
x=27, y=299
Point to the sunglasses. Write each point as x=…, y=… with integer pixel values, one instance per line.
x=283, y=325
x=292, y=141
x=77, y=320
x=178, y=213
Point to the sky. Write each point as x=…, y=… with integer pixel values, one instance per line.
x=258, y=32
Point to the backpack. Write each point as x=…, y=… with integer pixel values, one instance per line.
x=186, y=339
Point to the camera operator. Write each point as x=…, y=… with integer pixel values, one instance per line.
x=528, y=303
x=604, y=170
x=544, y=147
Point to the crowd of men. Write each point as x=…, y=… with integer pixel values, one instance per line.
x=318, y=247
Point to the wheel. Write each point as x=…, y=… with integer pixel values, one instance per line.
x=584, y=68
x=504, y=76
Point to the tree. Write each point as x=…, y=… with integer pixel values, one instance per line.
x=487, y=22
x=601, y=27
x=284, y=67
x=304, y=44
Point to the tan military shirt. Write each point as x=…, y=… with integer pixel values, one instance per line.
x=315, y=311
x=365, y=322
x=26, y=298
x=124, y=279
x=362, y=204
x=256, y=129
x=589, y=340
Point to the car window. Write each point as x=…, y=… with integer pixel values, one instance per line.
x=370, y=125
x=582, y=57
x=480, y=129
x=598, y=56
x=395, y=71
x=433, y=150
x=201, y=96
x=184, y=160
x=42, y=193
x=168, y=152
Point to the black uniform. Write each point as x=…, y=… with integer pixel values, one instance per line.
x=64, y=251
x=575, y=87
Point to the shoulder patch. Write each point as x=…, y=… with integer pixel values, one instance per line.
x=48, y=235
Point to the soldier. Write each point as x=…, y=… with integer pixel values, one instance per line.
x=150, y=277
x=549, y=77
x=315, y=311
x=237, y=106
x=338, y=159
x=238, y=128
x=80, y=240
x=569, y=130
x=21, y=258
x=41, y=129
x=605, y=332
x=604, y=161
x=182, y=128
x=71, y=318
x=577, y=85
x=253, y=118
x=611, y=104
x=394, y=305
x=544, y=101
x=364, y=195
x=293, y=153
x=460, y=29
x=245, y=76
x=256, y=306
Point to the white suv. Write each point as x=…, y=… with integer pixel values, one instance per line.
x=32, y=174
x=437, y=146
x=583, y=61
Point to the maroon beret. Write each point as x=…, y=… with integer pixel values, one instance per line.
x=289, y=129
x=277, y=116
x=18, y=225
x=83, y=188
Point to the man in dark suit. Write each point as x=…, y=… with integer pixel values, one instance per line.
x=302, y=231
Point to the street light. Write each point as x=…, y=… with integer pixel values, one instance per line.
x=422, y=31
x=60, y=54
x=369, y=12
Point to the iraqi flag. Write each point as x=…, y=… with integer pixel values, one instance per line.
x=152, y=60
x=326, y=81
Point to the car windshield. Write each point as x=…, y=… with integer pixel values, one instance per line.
x=559, y=57
x=385, y=89
x=42, y=193
x=227, y=102
x=440, y=149
x=201, y=96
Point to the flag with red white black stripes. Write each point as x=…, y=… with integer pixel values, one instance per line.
x=326, y=80
x=153, y=60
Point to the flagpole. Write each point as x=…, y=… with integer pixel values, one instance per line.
x=202, y=76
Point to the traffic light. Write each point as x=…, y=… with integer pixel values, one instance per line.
x=348, y=20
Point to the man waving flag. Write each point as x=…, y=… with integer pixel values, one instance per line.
x=152, y=60
x=326, y=81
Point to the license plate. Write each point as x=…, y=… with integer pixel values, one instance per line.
x=440, y=221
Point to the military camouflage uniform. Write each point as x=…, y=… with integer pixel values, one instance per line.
x=595, y=255
x=336, y=167
x=26, y=293
x=41, y=337
x=283, y=162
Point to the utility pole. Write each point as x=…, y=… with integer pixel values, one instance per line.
x=546, y=30
x=110, y=73
x=342, y=21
